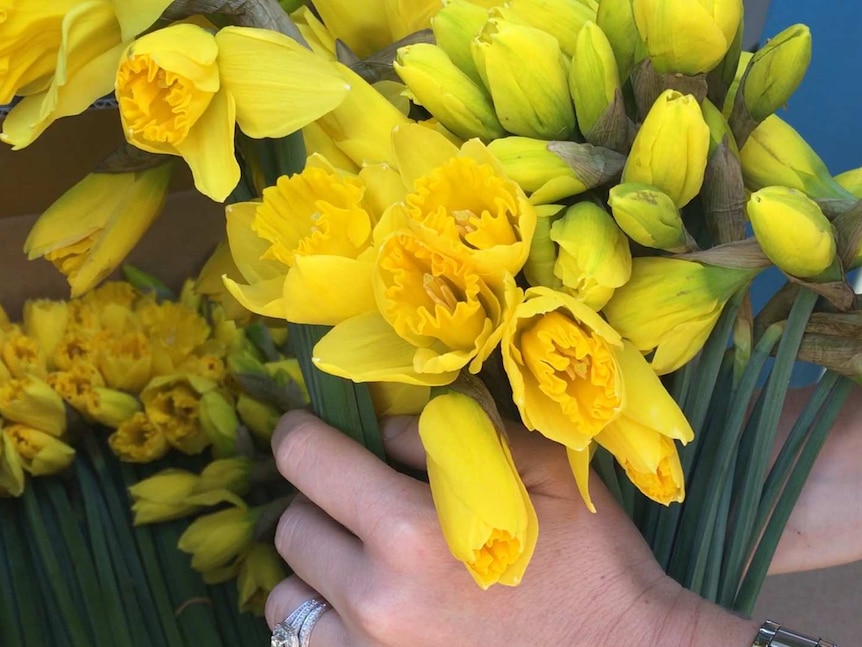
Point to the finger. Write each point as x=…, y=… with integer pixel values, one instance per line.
x=352, y=485
x=286, y=597
x=318, y=549
x=401, y=441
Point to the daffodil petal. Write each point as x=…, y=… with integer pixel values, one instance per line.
x=579, y=461
x=366, y=349
x=435, y=149
x=137, y=16
x=265, y=298
x=326, y=290
x=208, y=148
x=246, y=247
x=646, y=399
x=279, y=86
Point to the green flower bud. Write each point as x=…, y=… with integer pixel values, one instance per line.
x=648, y=216
x=670, y=149
x=539, y=268
x=594, y=78
x=563, y=19
x=455, y=26
x=851, y=181
x=219, y=422
x=776, y=71
x=719, y=129
x=259, y=417
x=792, y=231
x=594, y=257
x=512, y=57
x=686, y=36
x=446, y=92
x=111, y=407
x=617, y=21
x=730, y=97
x=775, y=154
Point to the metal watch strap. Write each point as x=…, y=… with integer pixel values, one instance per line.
x=772, y=634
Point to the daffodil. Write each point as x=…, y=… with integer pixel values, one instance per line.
x=594, y=80
x=174, y=332
x=671, y=305
x=563, y=19
x=576, y=381
x=41, y=453
x=260, y=417
x=455, y=26
x=31, y=402
x=648, y=216
x=259, y=571
x=12, y=477
x=91, y=228
x=172, y=404
x=61, y=56
x=110, y=407
x=216, y=540
x=181, y=91
x=75, y=384
x=22, y=355
x=45, y=321
x=468, y=457
x=138, y=440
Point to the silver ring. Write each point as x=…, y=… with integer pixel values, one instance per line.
x=295, y=629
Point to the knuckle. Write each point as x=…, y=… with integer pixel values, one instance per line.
x=289, y=526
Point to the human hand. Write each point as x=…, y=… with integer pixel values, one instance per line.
x=366, y=538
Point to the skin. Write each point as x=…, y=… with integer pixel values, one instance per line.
x=592, y=580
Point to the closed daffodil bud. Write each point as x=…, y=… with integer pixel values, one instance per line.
x=455, y=26
x=12, y=478
x=31, y=402
x=468, y=457
x=792, y=231
x=671, y=305
x=259, y=417
x=563, y=19
x=447, y=93
x=540, y=170
x=216, y=540
x=110, y=407
x=594, y=257
x=617, y=21
x=91, y=228
x=259, y=572
x=220, y=423
x=851, y=181
x=670, y=149
x=181, y=90
x=511, y=57
x=41, y=453
x=648, y=216
x=733, y=88
x=775, y=71
x=776, y=155
x=163, y=496
x=45, y=321
x=684, y=36
x=594, y=78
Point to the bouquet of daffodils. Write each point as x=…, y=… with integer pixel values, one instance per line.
x=470, y=210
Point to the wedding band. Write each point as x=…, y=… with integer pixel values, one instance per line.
x=295, y=629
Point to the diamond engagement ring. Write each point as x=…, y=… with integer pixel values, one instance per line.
x=295, y=629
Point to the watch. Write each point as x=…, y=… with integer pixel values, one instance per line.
x=772, y=634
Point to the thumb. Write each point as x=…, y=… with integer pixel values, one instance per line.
x=401, y=441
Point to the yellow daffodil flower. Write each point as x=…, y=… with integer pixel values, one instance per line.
x=41, y=453
x=76, y=384
x=594, y=257
x=23, y=355
x=31, y=402
x=91, y=228
x=61, y=56
x=220, y=423
x=182, y=90
x=792, y=231
x=260, y=417
x=670, y=148
x=12, y=477
x=45, y=321
x=125, y=359
x=172, y=405
x=671, y=305
x=259, y=571
x=395, y=399
x=110, y=407
x=174, y=332
x=687, y=37
x=216, y=540
x=138, y=440
x=467, y=460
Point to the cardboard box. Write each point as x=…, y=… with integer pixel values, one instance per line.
x=173, y=249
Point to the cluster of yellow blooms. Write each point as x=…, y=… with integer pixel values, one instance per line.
x=538, y=213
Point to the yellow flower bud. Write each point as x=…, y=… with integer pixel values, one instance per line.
x=22, y=355
x=456, y=24
x=33, y=403
x=776, y=155
x=467, y=457
x=776, y=70
x=111, y=407
x=163, y=496
x=511, y=57
x=41, y=453
x=447, y=93
x=138, y=440
x=671, y=305
x=648, y=216
x=851, y=181
x=45, y=321
x=12, y=477
x=259, y=572
x=594, y=77
x=259, y=417
x=792, y=231
x=563, y=19
x=684, y=36
x=216, y=540
x=75, y=385
x=594, y=257
x=617, y=21
x=220, y=423
x=539, y=268
x=669, y=151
